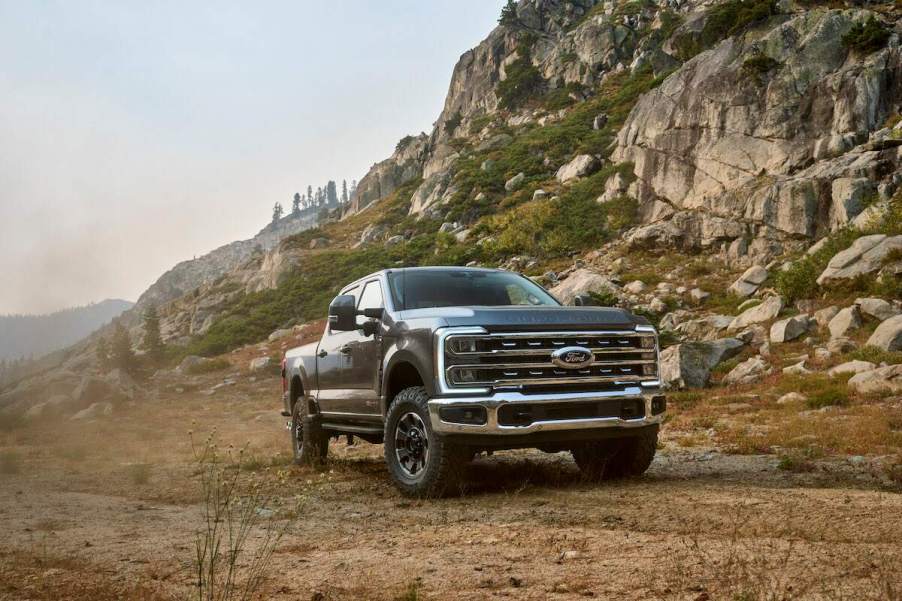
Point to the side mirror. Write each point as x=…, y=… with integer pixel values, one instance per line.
x=584, y=300
x=343, y=313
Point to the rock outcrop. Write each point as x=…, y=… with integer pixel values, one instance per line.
x=689, y=365
x=747, y=165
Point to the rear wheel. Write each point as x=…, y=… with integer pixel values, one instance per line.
x=309, y=442
x=420, y=462
x=617, y=458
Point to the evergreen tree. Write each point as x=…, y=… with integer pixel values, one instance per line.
x=153, y=342
x=103, y=353
x=309, y=196
x=331, y=194
x=509, y=14
x=296, y=205
x=277, y=212
x=121, y=354
x=344, y=192
x=353, y=188
x=319, y=197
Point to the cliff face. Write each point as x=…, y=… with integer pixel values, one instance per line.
x=750, y=164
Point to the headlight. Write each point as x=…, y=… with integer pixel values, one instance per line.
x=462, y=345
x=648, y=342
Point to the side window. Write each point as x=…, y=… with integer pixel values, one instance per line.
x=370, y=298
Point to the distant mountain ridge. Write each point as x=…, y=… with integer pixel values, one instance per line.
x=36, y=335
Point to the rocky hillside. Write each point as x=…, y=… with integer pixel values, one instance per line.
x=727, y=168
x=189, y=275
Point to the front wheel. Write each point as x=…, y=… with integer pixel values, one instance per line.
x=420, y=462
x=309, y=442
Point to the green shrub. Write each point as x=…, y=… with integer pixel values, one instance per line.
x=758, y=66
x=725, y=20
x=523, y=83
x=866, y=37
x=453, y=123
x=876, y=355
x=622, y=212
x=208, y=367
x=800, y=279
x=604, y=298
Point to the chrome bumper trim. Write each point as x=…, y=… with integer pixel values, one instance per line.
x=492, y=403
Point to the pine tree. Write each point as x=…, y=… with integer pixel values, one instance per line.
x=309, y=196
x=344, y=192
x=121, y=354
x=277, y=212
x=296, y=205
x=353, y=188
x=103, y=353
x=509, y=14
x=331, y=194
x=153, y=342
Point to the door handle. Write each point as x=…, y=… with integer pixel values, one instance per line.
x=322, y=354
x=346, y=349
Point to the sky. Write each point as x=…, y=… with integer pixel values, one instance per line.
x=135, y=134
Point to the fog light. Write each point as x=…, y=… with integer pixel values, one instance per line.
x=649, y=369
x=658, y=405
x=474, y=416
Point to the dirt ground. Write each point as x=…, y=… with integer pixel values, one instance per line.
x=108, y=509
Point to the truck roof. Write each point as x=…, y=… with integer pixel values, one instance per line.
x=427, y=268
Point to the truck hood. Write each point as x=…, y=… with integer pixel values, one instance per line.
x=501, y=319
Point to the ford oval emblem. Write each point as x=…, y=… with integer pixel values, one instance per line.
x=573, y=357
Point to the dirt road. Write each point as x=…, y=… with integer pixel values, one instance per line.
x=108, y=509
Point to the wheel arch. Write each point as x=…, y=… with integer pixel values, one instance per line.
x=404, y=370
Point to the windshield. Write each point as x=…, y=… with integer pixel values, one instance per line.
x=464, y=288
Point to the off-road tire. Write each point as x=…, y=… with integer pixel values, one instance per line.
x=314, y=446
x=443, y=463
x=617, y=458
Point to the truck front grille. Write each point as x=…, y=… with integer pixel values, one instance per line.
x=502, y=360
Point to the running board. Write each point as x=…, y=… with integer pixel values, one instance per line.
x=349, y=428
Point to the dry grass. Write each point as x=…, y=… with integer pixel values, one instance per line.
x=42, y=577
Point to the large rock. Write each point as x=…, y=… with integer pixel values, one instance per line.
x=689, y=365
x=848, y=196
x=92, y=389
x=866, y=255
x=190, y=362
x=515, y=182
x=260, y=363
x=748, y=372
x=709, y=327
x=877, y=308
x=883, y=379
x=888, y=335
x=789, y=329
x=583, y=281
x=768, y=310
x=851, y=367
x=748, y=282
x=845, y=322
x=825, y=315
x=94, y=411
x=580, y=166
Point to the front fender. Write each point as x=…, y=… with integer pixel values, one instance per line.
x=416, y=353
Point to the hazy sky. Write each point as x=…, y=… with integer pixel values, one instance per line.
x=137, y=134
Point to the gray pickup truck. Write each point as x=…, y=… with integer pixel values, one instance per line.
x=443, y=363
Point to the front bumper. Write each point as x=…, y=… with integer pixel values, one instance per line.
x=493, y=402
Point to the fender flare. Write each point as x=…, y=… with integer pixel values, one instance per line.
x=423, y=368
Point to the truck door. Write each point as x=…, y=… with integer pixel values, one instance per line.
x=332, y=359
x=363, y=369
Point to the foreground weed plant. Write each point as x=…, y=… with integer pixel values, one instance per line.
x=227, y=568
